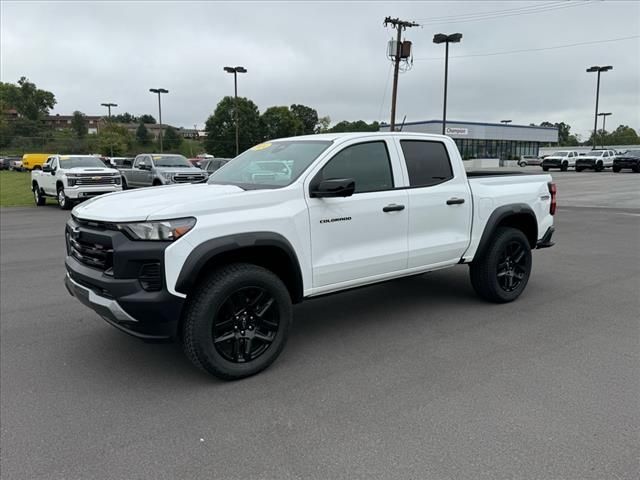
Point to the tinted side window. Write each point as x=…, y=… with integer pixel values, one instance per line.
x=427, y=162
x=367, y=164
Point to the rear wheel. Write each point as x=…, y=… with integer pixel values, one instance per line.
x=237, y=322
x=523, y=164
x=501, y=273
x=64, y=202
x=37, y=196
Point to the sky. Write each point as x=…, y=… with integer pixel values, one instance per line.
x=330, y=56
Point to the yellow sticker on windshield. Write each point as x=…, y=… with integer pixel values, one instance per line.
x=157, y=157
x=65, y=157
x=261, y=146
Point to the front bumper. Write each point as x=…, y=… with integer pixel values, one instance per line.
x=551, y=163
x=80, y=193
x=118, y=289
x=585, y=164
x=626, y=163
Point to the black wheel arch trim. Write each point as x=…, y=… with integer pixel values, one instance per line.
x=203, y=253
x=498, y=216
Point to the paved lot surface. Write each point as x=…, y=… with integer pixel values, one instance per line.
x=416, y=378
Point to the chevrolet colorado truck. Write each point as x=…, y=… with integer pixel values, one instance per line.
x=218, y=265
x=72, y=178
x=596, y=160
x=629, y=159
x=160, y=169
x=562, y=160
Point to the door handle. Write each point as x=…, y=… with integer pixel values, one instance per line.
x=393, y=208
x=455, y=201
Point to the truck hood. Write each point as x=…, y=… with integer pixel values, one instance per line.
x=188, y=171
x=96, y=170
x=171, y=201
x=590, y=157
x=554, y=157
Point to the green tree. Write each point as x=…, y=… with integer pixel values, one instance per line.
x=278, y=122
x=143, y=137
x=171, y=139
x=125, y=117
x=308, y=118
x=146, y=118
x=31, y=105
x=114, y=136
x=357, y=126
x=323, y=124
x=79, y=124
x=623, y=135
x=565, y=137
x=221, y=127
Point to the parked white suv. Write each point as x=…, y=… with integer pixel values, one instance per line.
x=596, y=160
x=218, y=265
x=72, y=178
x=562, y=159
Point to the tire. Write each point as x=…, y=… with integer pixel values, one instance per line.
x=636, y=169
x=564, y=167
x=522, y=164
x=499, y=275
x=578, y=169
x=124, y=184
x=546, y=169
x=156, y=183
x=616, y=169
x=38, y=197
x=266, y=310
x=599, y=167
x=64, y=202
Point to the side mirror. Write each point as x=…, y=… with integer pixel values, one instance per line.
x=335, y=187
x=46, y=167
x=142, y=166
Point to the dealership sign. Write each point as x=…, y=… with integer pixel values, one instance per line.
x=456, y=131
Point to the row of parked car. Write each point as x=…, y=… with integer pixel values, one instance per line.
x=596, y=160
x=73, y=178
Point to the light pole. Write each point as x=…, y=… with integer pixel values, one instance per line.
x=159, y=91
x=109, y=105
x=236, y=71
x=598, y=69
x=506, y=121
x=604, y=123
x=439, y=38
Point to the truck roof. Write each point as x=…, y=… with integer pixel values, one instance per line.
x=348, y=135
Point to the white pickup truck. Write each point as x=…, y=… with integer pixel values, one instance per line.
x=72, y=178
x=218, y=265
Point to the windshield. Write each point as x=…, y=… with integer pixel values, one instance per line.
x=270, y=165
x=174, y=161
x=560, y=154
x=596, y=153
x=633, y=153
x=73, y=162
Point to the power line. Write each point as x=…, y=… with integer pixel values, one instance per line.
x=492, y=12
x=481, y=17
x=509, y=52
x=384, y=93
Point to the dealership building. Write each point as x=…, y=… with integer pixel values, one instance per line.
x=488, y=140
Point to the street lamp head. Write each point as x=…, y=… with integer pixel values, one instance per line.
x=506, y=121
x=229, y=69
x=604, y=114
x=241, y=70
x=606, y=69
x=442, y=38
x=158, y=90
x=596, y=68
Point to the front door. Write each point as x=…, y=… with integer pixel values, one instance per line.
x=363, y=236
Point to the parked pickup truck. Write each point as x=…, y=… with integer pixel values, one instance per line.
x=562, y=160
x=596, y=160
x=160, y=169
x=629, y=159
x=72, y=178
x=218, y=265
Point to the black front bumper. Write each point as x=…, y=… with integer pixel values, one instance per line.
x=586, y=164
x=551, y=163
x=626, y=163
x=119, y=294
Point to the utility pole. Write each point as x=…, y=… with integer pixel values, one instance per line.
x=399, y=25
x=159, y=91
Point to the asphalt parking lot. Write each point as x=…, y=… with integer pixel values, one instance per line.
x=416, y=378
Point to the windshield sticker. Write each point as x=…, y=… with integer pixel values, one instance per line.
x=261, y=146
x=66, y=157
x=157, y=157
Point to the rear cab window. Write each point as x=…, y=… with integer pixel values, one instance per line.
x=427, y=162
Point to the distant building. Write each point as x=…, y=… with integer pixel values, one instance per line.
x=62, y=122
x=488, y=140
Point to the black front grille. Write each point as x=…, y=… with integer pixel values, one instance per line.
x=90, y=249
x=187, y=178
x=150, y=277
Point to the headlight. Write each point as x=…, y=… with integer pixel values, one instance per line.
x=167, y=176
x=165, y=230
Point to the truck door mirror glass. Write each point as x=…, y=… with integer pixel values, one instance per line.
x=335, y=187
x=46, y=167
x=142, y=166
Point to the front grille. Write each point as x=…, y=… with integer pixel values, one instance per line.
x=150, y=277
x=188, y=178
x=93, y=254
x=97, y=180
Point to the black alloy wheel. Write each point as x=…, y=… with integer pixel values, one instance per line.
x=513, y=266
x=246, y=325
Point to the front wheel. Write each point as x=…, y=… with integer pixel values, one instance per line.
x=501, y=274
x=616, y=169
x=578, y=169
x=546, y=169
x=64, y=202
x=124, y=183
x=599, y=167
x=565, y=166
x=237, y=322
x=523, y=164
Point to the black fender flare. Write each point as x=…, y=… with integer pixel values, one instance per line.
x=500, y=214
x=200, y=256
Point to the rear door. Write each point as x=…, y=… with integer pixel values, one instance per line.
x=363, y=236
x=439, y=203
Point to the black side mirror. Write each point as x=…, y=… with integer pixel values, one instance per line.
x=46, y=167
x=335, y=187
x=142, y=166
